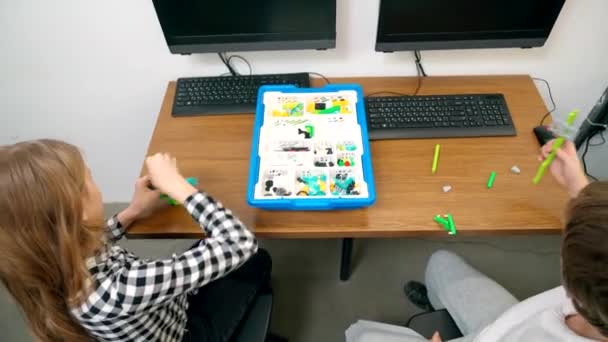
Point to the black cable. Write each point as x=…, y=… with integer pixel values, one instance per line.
x=322, y=76
x=419, y=66
x=418, y=83
x=601, y=137
x=585, y=155
x=420, y=73
x=418, y=86
x=553, y=106
x=385, y=92
x=222, y=57
x=244, y=60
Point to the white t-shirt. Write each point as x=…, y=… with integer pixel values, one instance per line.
x=540, y=318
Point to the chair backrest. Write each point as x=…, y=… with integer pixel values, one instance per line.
x=257, y=323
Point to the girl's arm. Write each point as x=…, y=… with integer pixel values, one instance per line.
x=116, y=226
x=145, y=202
x=143, y=284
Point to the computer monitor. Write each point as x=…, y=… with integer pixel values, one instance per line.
x=462, y=24
x=199, y=26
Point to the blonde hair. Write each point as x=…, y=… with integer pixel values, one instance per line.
x=43, y=240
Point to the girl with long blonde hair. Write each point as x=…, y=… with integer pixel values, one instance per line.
x=59, y=260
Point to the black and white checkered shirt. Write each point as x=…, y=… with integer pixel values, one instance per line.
x=146, y=300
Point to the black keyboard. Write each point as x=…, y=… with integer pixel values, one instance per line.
x=226, y=94
x=401, y=117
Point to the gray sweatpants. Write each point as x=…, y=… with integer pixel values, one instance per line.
x=472, y=299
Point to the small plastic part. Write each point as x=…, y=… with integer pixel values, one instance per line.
x=442, y=221
x=193, y=181
x=515, y=169
x=435, y=158
x=447, y=188
x=491, y=179
x=308, y=131
x=312, y=185
x=452, y=226
x=447, y=223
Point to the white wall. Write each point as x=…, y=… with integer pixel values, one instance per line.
x=94, y=72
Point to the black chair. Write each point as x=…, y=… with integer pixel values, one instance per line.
x=257, y=323
x=427, y=323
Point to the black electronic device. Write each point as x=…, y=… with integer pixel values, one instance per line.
x=461, y=24
x=200, y=26
x=436, y=116
x=227, y=94
x=597, y=120
x=543, y=134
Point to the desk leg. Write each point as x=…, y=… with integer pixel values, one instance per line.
x=347, y=251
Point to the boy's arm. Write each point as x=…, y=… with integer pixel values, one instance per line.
x=566, y=168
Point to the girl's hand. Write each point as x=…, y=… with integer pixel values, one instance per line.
x=566, y=167
x=145, y=200
x=436, y=337
x=165, y=176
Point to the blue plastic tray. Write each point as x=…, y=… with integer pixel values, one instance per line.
x=311, y=203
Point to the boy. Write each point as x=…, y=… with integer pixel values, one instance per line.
x=577, y=311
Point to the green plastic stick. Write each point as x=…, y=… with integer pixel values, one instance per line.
x=452, y=225
x=491, y=180
x=192, y=180
x=556, y=146
x=435, y=159
x=442, y=221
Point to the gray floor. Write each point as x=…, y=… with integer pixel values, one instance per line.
x=311, y=304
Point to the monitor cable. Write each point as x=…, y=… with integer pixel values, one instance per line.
x=553, y=106
x=222, y=56
x=420, y=73
x=229, y=61
x=419, y=66
x=587, y=144
x=320, y=75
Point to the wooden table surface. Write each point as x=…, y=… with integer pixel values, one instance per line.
x=216, y=150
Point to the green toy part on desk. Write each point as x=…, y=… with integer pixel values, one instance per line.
x=452, y=225
x=447, y=223
x=192, y=180
x=491, y=179
x=435, y=158
x=442, y=221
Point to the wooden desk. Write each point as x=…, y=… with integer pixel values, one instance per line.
x=216, y=150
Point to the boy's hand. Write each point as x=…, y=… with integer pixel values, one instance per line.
x=436, y=337
x=566, y=167
x=165, y=176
